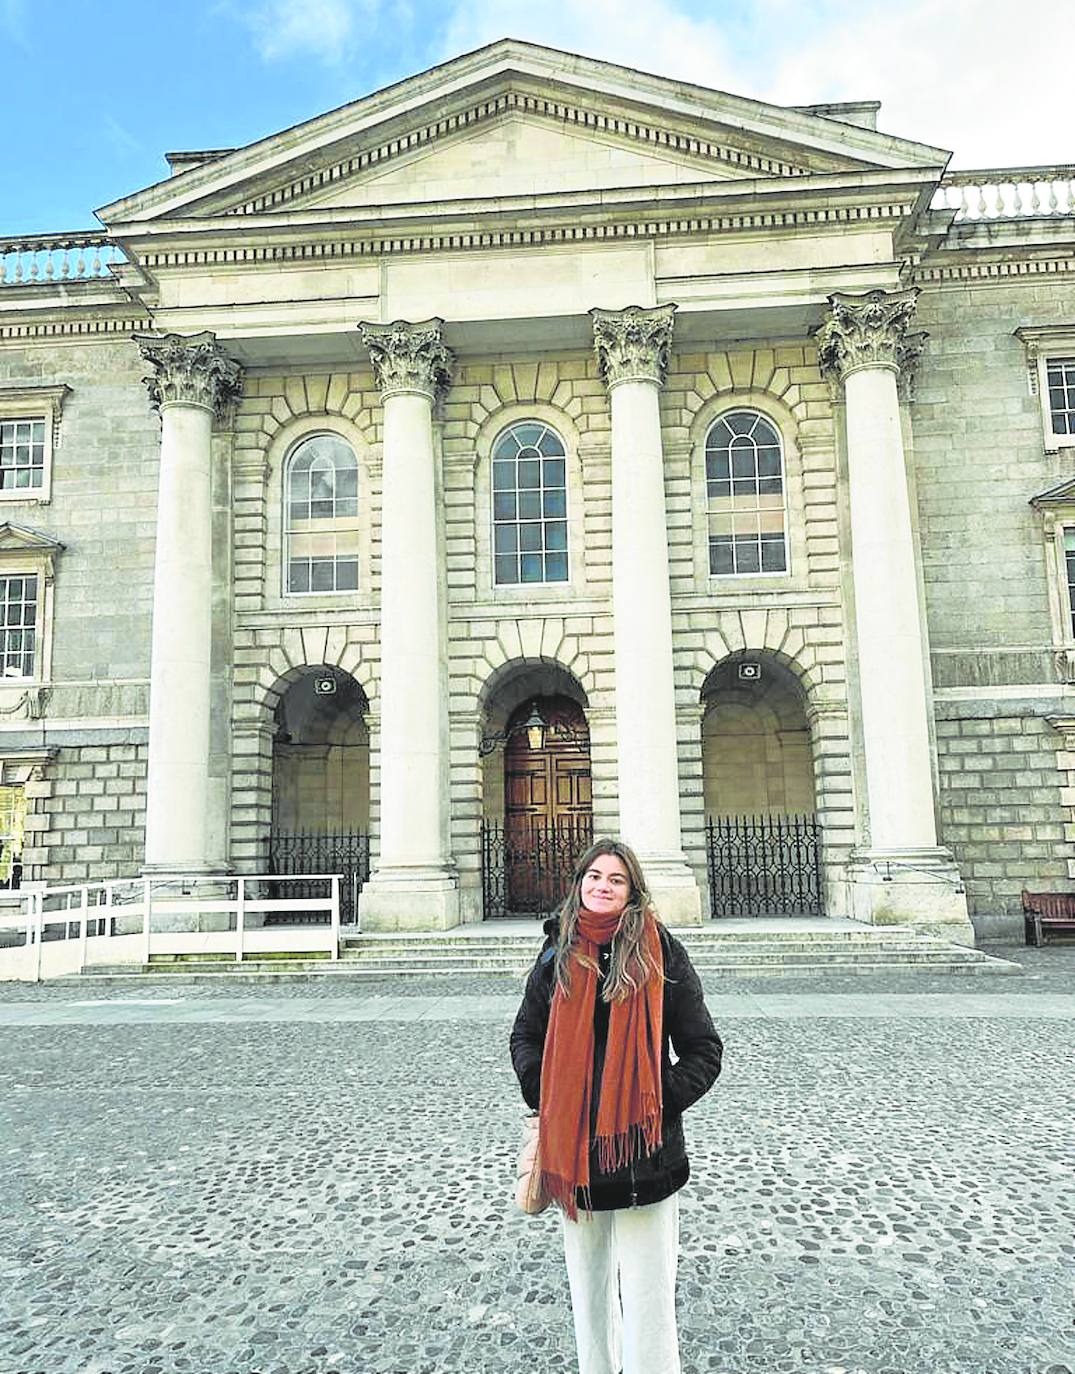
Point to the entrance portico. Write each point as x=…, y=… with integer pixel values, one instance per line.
x=607, y=318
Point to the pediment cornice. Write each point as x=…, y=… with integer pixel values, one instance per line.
x=1062, y=495
x=17, y=538
x=737, y=136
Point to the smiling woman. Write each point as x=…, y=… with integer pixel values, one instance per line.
x=611, y=994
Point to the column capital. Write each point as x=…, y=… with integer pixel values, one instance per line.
x=189, y=370
x=408, y=357
x=868, y=331
x=632, y=345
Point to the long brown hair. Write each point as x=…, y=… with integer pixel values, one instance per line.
x=629, y=965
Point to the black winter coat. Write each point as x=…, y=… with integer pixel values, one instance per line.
x=688, y=1028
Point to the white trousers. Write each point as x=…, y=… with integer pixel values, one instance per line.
x=629, y=1326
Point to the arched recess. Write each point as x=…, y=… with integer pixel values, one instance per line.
x=757, y=756
x=321, y=755
x=537, y=805
x=763, y=841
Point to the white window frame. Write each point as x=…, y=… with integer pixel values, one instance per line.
x=717, y=578
x=26, y=552
x=43, y=404
x=594, y=457
x=1043, y=345
x=566, y=517
x=285, y=571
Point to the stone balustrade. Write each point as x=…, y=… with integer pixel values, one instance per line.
x=40, y=259
x=1007, y=193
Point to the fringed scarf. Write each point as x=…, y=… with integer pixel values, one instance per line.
x=629, y=1103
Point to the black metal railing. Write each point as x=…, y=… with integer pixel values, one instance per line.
x=346, y=853
x=764, y=865
x=527, y=864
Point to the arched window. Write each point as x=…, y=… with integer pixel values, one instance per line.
x=322, y=516
x=529, y=505
x=744, y=470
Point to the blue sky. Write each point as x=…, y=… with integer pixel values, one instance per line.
x=92, y=97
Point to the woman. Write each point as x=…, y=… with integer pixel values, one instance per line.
x=610, y=990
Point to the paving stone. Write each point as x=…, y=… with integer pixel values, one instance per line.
x=874, y=1194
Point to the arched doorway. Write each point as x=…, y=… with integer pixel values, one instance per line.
x=320, y=783
x=548, y=805
x=537, y=814
x=762, y=833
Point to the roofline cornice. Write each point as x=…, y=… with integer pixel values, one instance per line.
x=887, y=193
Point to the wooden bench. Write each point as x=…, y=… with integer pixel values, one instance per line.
x=1048, y=914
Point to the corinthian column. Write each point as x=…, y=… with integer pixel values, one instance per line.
x=190, y=382
x=632, y=348
x=903, y=874
x=414, y=885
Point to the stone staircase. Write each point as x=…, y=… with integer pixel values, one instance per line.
x=747, y=948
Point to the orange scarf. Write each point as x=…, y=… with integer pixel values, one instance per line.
x=629, y=1102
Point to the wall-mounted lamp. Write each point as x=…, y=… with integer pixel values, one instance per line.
x=533, y=725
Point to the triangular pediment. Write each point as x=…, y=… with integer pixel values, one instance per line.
x=516, y=119
x=519, y=155
x=15, y=538
x=1063, y=494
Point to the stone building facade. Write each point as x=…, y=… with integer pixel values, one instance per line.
x=732, y=440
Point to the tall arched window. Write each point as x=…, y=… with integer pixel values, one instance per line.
x=322, y=516
x=744, y=470
x=529, y=505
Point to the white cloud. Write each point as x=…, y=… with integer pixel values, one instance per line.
x=324, y=29
x=648, y=34
x=984, y=78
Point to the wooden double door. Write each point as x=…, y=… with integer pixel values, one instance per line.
x=548, y=804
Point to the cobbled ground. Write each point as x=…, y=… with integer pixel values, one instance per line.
x=315, y=1177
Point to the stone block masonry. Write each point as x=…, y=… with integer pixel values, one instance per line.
x=978, y=459
x=86, y=818
x=1001, y=807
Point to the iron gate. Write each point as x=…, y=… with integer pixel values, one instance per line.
x=347, y=854
x=526, y=871
x=764, y=865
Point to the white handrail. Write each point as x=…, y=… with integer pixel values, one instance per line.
x=147, y=918
x=72, y=906
x=240, y=920
x=335, y=919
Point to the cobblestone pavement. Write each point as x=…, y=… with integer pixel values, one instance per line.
x=300, y=1178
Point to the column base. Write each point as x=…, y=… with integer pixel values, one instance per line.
x=673, y=888
x=920, y=888
x=419, y=898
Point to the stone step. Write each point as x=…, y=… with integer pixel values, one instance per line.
x=527, y=951
x=921, y=954
x=243, y=975
x=693, y=937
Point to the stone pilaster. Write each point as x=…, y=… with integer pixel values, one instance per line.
x=902, y=875
x=192, y=380
x=415, y=885
x=632, y=348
